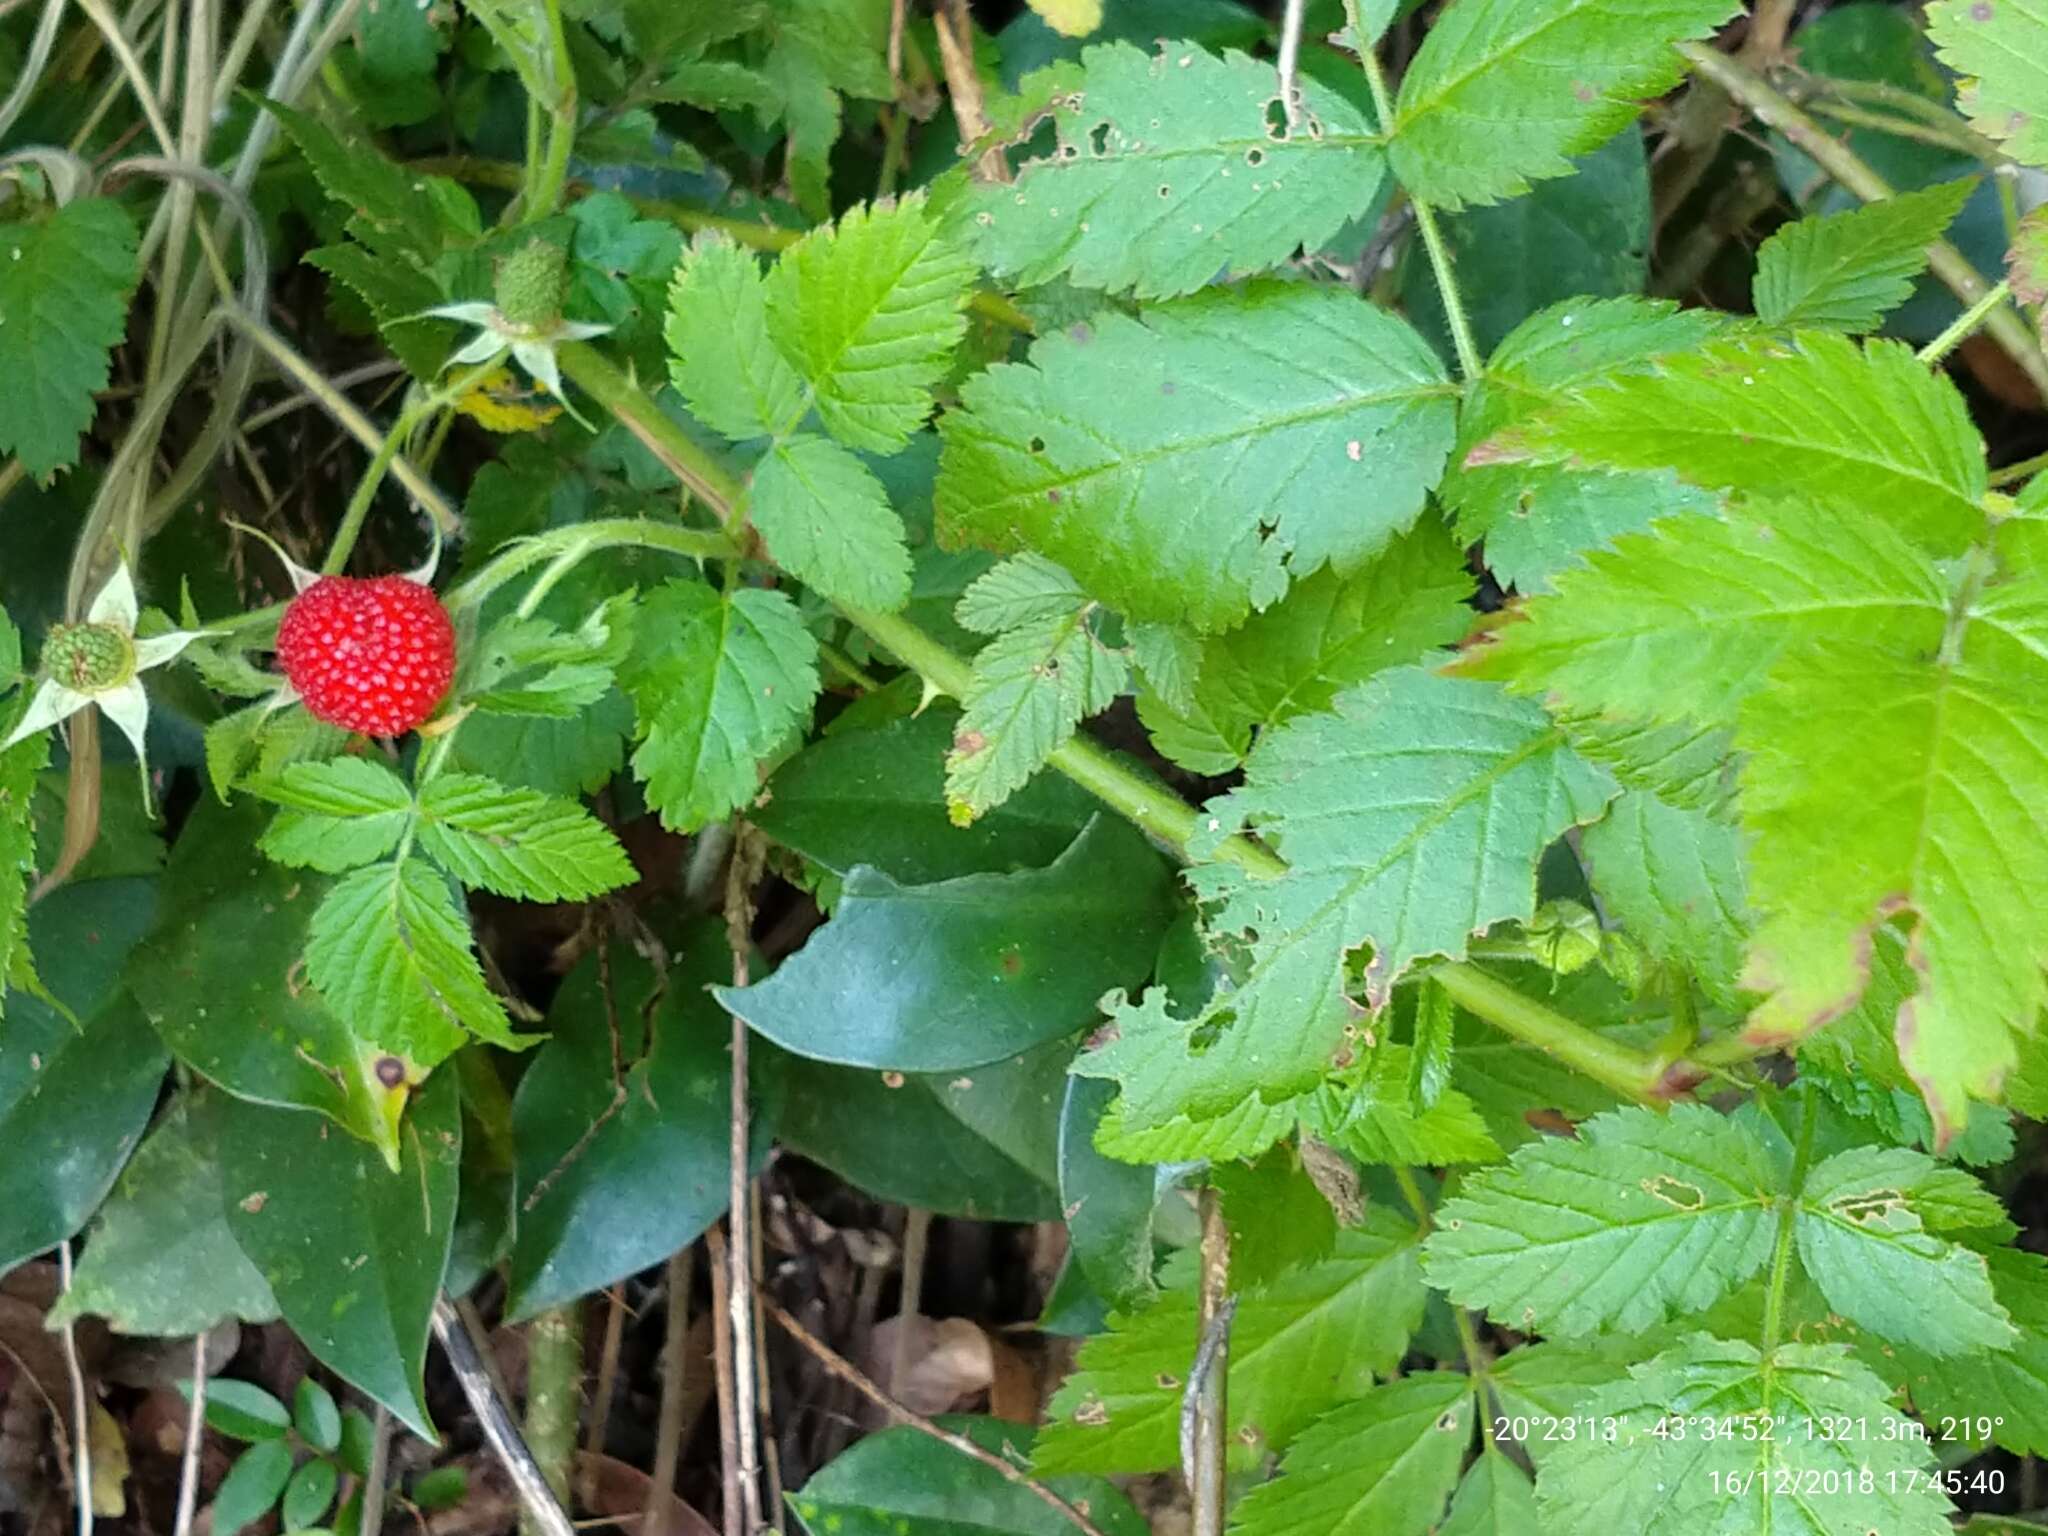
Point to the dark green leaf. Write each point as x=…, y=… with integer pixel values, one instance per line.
x=309, y=1494
x=242, y=1409
x=353, y=1250
x=252, y=1486
x=1108, y=1204
x=315, y=1415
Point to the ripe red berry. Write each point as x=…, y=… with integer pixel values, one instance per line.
x=371, y=655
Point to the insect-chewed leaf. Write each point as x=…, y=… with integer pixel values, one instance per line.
x=1640, y=1217
x=1173, y=167
x=1504, y=92
x=1182, y=466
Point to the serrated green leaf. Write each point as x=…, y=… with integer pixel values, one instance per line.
x=20, y=765
x=2001, y=51
x=1382, y=1466
x=527, y=665
x=1680, y=624
x=1880, y=1474
x=1170, y=658
x=353, y=1250
x=1032, y=688
x=391, y=953
x=1495, y=1499
x=1847, y=271
x=1538, y=519
x=1372, y=1116
x=1410, y=772
x=1863, y=1236
x=160, y=1259
x=1683, y=765
x=827, y=521
x=383, y=201
x=1641, y=1217
x=1673, y=879
x=1170, y=171
x=519, y=843
x=868, y=311
x=937, y=978
x=816, y=51
x=1312, y=1339
x=720, y=355
x=1559, y=76
x=2009, y=1386
x=1027, y=589
x=338, y=814
x=1185, y=465
x=64, y=287
x=1329, y=632
x=719, y=681
x=1867, y=430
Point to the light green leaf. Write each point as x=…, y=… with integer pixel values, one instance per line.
x=1372, y=1115
x=518, y=842
x=1329, y=632
x=1641, y=1217
x=2000, y=47
x=1408, y=773
x=1381, y=1466
x=936, y=978
x=1673, y=879
x=1174, y=167
x=64, y=286
x=1538, y=519
x=1495, y=1499
x=719, y=681
x=19, y=766
x=817, y=50
x=1902, y=781
x=828, y=522
x=868, y=311
x=527, y=665
x=1847, y=271
x=720, y=356
x=1312, y=1339
x=1027, y=589
x=1185, y=465
x=1869, y=430
x=160, y=1259
x=1032, y=687
x=1682, y=623
x=1863, y=1236
x=391, y=953
x=339, y=814
x=1647, y=1479
x=1504, y=92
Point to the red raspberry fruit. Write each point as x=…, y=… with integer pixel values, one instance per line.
x=371, y=655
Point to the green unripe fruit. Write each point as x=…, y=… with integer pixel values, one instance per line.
x=533, y=283
x=88, y=658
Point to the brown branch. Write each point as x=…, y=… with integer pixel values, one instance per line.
x=1205, y=1410
x=839, y=1366
x=668, y=1432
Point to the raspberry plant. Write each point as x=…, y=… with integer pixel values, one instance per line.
x=1379, y=665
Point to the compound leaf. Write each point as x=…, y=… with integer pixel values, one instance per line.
x=1639, y=1217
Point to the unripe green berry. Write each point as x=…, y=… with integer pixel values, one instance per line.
x=88, y=658
x=533, y=283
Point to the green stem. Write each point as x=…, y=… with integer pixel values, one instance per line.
x=1774, y=110
x=2012, y=474
x=1964, y=324
x=1120, y=784
x=1627, y=1071
x=581, y=539
x=546, y=193
x=554, y=1396
x=359, y=504
x=1788, y=1215
x=1470, y=364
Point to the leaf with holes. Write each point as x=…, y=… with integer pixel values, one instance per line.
x=1172, y=167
